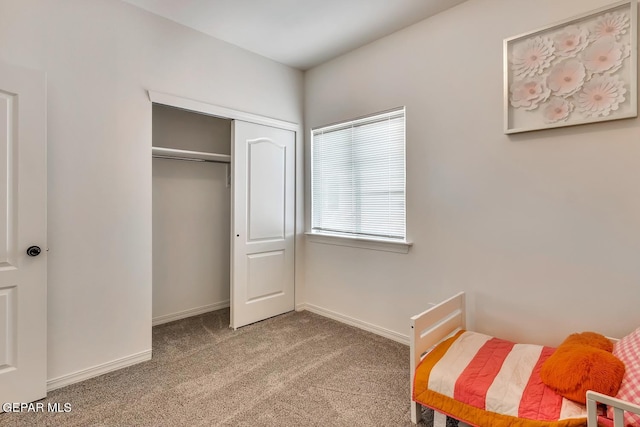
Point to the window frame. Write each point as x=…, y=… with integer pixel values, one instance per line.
x=349, y=239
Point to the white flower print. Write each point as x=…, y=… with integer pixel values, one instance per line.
x=605, y=54
x=532, y=57
x=570, y=40
x=557, y=109
x=610, y=25
x=566, y=78
x=527, y=94
x=626, y=52
x=600, y=96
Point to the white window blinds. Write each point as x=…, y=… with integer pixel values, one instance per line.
x=358, y=177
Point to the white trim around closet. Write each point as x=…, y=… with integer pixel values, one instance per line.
x=228, y=113
x=217, y=111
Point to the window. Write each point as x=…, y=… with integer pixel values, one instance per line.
x=358, y=178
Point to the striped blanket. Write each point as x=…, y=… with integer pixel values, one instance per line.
x=486, y=381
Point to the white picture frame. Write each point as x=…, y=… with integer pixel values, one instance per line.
x=580, y=70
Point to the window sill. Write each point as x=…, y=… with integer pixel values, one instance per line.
x=359, y=242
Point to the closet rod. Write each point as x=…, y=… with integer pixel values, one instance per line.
x=179, y=158
x=196, y=156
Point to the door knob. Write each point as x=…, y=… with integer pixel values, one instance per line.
x=33, y=251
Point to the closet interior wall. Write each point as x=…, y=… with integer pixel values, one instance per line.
x=191, y=216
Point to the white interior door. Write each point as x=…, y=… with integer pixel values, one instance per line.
x=23, y=221
x=262, y=265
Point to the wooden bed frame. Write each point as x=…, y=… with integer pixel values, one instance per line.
x=428, y=329
x=445, y=319
x=619, y=407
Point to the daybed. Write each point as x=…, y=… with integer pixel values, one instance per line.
x=489, y=382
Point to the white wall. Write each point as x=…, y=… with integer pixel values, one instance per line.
x=101, y=56
x=541, y=229
x=191, y=216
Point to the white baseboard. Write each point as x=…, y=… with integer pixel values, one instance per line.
x=166, y=318
x=378, y=330
x=301, y=307
x=98, y=370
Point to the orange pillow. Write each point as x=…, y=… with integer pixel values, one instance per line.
x=592, y=339
x=575, y=368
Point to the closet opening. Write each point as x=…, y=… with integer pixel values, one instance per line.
x=224, y=212
x=191, y=213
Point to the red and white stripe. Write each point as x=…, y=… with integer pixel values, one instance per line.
x=499, y=376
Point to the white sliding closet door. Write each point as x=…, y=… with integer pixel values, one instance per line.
x=262, y=265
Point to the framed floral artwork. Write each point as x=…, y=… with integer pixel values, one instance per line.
x=581, y=70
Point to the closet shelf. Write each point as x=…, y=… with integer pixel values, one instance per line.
x=197, y=156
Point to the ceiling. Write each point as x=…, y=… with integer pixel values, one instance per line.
x=298, y=33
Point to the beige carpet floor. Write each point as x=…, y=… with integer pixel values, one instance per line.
x=298, y=369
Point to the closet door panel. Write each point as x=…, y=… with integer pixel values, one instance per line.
x=266, y=176
x=265, y=275
x=263, y=223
